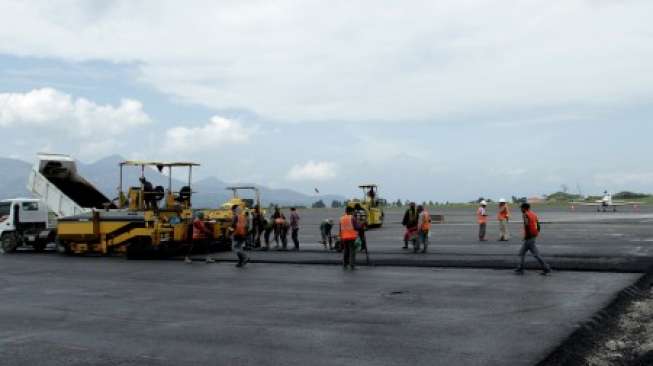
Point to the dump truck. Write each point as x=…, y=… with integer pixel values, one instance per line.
x=55, y=180
x=371, y=203
x=24, y=222
x=135, y=223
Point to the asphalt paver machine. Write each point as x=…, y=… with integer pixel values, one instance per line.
x=138, y=226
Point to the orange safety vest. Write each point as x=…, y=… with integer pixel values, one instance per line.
x=504, y=213
x=241, y=225
x=531, y=226
x=482, y=219
x=426, y=221
x=199, y=230
x=347, y=231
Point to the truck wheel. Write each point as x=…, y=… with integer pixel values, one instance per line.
x=63, y=247
x=8, y=243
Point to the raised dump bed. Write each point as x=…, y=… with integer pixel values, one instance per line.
x=55, y=180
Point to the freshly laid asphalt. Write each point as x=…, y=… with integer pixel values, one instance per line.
x=284, y=310
x=109, y=311
x=578, y=240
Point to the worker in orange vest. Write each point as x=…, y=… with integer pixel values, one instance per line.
x=423, y=228
x=202, y=236
x=531, y=232
x=240, y=230
x=503, y=216
x=481, y=217
x=348, y=236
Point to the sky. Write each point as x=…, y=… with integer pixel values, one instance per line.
x=443, y=101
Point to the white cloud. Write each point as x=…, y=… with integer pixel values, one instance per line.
x=218, y=132
x=50, y=108
x=317, y=171
x=342, y=60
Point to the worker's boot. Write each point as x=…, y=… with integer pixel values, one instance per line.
x=405, y=244
x=241, y=257
x=519, y=271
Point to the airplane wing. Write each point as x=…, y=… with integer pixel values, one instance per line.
x=624, y=203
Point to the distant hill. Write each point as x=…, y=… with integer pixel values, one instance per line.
x=13, y=178
x=210, y=192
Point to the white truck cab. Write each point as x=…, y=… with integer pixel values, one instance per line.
x=24, y=222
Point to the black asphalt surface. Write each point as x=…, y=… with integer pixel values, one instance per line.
x=284, y=310
x=578, y=240
x=109, y=311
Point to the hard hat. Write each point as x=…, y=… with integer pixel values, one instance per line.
x=503, y=200
x=483, y=203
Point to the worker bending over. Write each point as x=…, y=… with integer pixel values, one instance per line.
x=531, y=232
x=348, y=235
x=481, y=217
x=503, y=216
x=325, y=232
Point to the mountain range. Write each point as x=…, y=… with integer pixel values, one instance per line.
x=208, y=192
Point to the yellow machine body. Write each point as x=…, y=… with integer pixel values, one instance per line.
x=372, y=205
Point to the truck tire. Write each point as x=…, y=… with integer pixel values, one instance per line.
x=63, y=247
x=8, y=243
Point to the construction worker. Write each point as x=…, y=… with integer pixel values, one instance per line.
x=268, y=227
x=481, y=217
x=325, y=230
x=239, y=234
x=423, y=229
x=148, y=194
x=361, y=219
x=531, y=232
x=283, y=233
x=503, y=216
x=258, y=226
x=279, y=221
x=410, y=222
x=294, y=227
x=348, y=236
x=201, y=236
x=249, y=237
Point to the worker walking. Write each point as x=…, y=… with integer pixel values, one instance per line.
x=410, y=222
x=503, y=216
x=294, y=227
x=240, y=229
x=325, y=231
x=423, y=229
x=361, y=220
x=481, y=217
x=201, y=236
x=531, y=232
x=348, y=236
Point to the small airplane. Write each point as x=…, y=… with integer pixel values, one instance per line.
x=606, y=203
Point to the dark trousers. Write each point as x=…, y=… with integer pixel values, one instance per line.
x=349, y=253
x=482, y=229
x=295, y=237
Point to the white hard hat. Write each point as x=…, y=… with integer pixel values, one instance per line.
x=483, y=203
x=503, y=200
